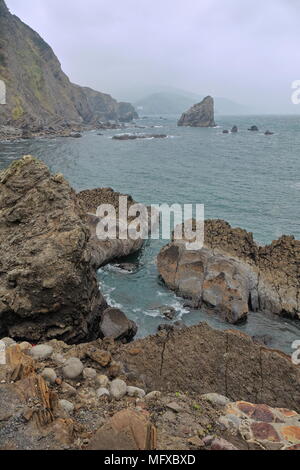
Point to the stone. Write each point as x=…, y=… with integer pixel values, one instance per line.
x=59, y=359
x=136, y=392
x=25, y=346
x=102, y=392
x=89, y=373
x=102, y=381
x=116, y=325
x=115, y=369
x=175, y=407
x=41, y=352
x=128, y=267
x=72, y=368
x=118, y=389
x=253, y=129
x=8, y=342
x=216, y=399
x=269, y=133
x=200, y=115
x=264, y=432
x=67, y=406
x=68, y=390
x=234, y=130
x=49, y=375
x=126, y=430
x=57, y=295
x=225, y=131
x=103, y=358
x=155, y=395
x=168, y=312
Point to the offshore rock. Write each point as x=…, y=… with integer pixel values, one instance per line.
x=200, y=115
x=48, y=287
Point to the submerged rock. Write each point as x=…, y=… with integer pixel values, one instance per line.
x=48, y=286
x=269, y=133
x=234, y=130
x=139, y=136
x=168, y=312
x=225, y=131
x=200, y=115
x=253, y=129
x=233, y=275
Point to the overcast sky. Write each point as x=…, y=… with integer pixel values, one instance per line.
x=244, y=50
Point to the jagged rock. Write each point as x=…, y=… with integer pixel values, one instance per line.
x=116, y=325
x=200, y=115
x=233, y=275
x=55, y=294
x=127, y=430
x=234, y=130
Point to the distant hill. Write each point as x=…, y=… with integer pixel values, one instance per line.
x=178, y=102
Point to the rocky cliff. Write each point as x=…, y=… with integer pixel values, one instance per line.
x=199, y=115
x=233, y=275
x=37, y=90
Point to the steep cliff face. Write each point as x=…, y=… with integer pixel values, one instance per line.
x=37, y=90
x=200, y=115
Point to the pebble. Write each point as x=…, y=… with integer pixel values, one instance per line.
x=68, y=390
x=59, y=359
x=102, y=381
x=153, y=395
x=73, y=368
x=216, y=399
x=136, y=392
x=101, y=392
x=89, y=373
x=41, y=352
x=67, y=406
x=49, y=375
x=118, y=389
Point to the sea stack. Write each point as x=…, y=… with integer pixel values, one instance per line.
x=200, y=115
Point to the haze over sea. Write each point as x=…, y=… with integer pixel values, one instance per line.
x=248, y=179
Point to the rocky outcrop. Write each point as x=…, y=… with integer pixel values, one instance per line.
x=48, y=287
x=114, y=324
x=104, y=251
x=38, y=92
x=200, y=115
x=203, y=360
x=233, y=275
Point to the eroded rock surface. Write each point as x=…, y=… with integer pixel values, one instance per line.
x=200, y=115
x=233, y=275
x=48, y=287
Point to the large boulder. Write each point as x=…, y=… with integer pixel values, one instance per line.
x=233, y=275
x=200, y=115
x=48, y=287
x=116, y=325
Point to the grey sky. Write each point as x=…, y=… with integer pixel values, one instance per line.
x=244, y=50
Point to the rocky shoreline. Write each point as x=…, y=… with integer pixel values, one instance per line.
x=73, y=378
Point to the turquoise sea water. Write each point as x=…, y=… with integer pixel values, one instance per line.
x=249, y=179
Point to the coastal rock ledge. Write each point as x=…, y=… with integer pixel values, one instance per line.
x=200, y=115
x=233, y=275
